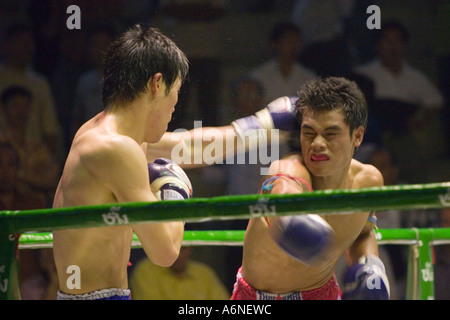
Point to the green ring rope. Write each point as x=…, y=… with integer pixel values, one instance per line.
x=236, y=238
x=425, y=196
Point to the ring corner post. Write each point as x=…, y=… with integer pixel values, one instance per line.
x=425, y=265
x=9, y=275
x=412, y=277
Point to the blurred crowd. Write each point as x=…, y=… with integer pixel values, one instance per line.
x=243, y=54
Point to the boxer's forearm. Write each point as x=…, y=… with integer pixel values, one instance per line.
x=365, y=244
x=197, y=147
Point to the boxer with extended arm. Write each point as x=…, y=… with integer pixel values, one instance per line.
x=143, y=72
x=277, y=115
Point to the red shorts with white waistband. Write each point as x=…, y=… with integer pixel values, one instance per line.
x=243, y=291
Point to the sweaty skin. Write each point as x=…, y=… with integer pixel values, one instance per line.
x=326, y=161
x=106, y=164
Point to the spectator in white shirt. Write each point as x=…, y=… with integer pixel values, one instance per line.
x=407, y=102
x=395, y=79
x=283, y=75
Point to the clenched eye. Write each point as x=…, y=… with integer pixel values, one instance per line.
x=308, y=133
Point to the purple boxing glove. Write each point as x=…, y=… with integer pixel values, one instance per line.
x=303, y=237
x=366, y=280
x=168, y=181
x=279, y=114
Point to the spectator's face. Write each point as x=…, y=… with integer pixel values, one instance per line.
x=17, y=111
x=288, y=47
x=392, y=47
x=20, y=49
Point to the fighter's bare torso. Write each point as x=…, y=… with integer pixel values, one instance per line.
x=267, y=268
x=101, y=254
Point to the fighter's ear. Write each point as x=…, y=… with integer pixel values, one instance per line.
x=358, y=135
x=156, y=83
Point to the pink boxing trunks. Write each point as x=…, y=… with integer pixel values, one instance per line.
x=243, y=291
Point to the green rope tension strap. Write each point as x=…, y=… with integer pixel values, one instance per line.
x=402, y=197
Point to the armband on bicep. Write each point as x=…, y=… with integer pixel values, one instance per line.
x=267, y=185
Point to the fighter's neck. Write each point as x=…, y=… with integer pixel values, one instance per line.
x=340, y=180
x=128, y=121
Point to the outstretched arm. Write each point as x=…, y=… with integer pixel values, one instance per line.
x=197, y=147
x=210, y=145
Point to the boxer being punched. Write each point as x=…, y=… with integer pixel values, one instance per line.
x=143, y=72
x=295, y=257
x=333, y=116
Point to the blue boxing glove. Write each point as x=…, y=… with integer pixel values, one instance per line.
x=279, y=114
x=168, y=181
x=303, y=237
x=366, y=280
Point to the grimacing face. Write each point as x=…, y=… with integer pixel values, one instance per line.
x=327, y=145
